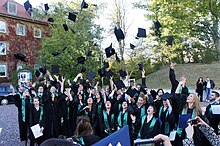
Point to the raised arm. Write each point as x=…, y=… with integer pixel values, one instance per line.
x=172, y=78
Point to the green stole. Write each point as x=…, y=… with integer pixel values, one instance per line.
x=151, y=125
x=107, y=124
x=80, y=140
x=142, y=111
x=167, y=125
x=99, y=107
x=22, y=106
x=180, y=130
x=41, y=114
x=125, y=119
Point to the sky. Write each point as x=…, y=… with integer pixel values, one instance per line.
x=135, y=20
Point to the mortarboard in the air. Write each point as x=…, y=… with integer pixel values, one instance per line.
x=109, y=51
x=141, y=66
x=88, y=53
x=132, y=46
x=183, y=119
x=46, y=7
x=157, y=33
x=65, y=27
x=120, y=84
x=166, y=96
x=84, y=5
x=50, y=20
x=91, y=75
x=119, y=34
x=106, y=65
x=122, y=73
x=101, y=72
x=27, y=5
x=141, y=33
x=170, y=40
x=119, y=138
x=81, y=60
x=37, y=73
x=109, y=74
x=55, y=69
x=72, y=17
x=131, y=92
x=157, y=24
x=55, y=53
x=43, y=70
x=20, y=56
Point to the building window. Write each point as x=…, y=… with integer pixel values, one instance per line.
x=2, y=70
x=3, y=47
x=3, y=26
x=12, y=8
x=21, y=29
x=37, y=32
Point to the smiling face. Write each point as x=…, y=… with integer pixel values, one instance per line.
x=36, y=102
x=160, y=93
x=140, y=101
x=190, y=98
x=90, y=101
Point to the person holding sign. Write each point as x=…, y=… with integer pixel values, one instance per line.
x=36, y=117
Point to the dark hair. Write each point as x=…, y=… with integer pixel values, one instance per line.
x=159, y=90
x=216, y=93
x=154, y=107
x=83, y=127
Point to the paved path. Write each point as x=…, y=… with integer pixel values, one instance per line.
x=9, y=124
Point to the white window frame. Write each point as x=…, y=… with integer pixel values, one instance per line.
x=4, y=65
x=6, y=46
x=35, y=29
x=24, y=30
x=3, y=25
x=10, y=11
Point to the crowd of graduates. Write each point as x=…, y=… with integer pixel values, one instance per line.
x=80, y=111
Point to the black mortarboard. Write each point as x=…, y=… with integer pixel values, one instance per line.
x=41, y=79
x=132, y=46
x=55, y=69
x=131, y=92
x=109, y=51
x=106, y=65
x=55, y=53
x=101, y=72
x=89, y=53
x=72, y=17
x=46, y=7
x=84, y=5
x=166, y=96
x=120, y=84
x=83, y=70
x=119, y=34
x=109, y=74
x=157, y=25
x=157, y=33
x=37, y=73
x=50, y=20
x=27, y=5
x=141, y=66
x=141, y=33
x=65, y=27
x=91, y=75
x=20, y=56
x=170, y=40
x=43, y=70
x=81, y=60
x=123, y=73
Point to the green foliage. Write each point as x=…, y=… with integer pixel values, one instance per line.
x=76, y=40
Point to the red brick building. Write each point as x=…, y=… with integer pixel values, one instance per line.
x=19, y=33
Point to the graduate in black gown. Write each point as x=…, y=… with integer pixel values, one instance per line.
x=52, y=115
x=107, y=120
x=22, y=102
x=36, y=117
x=149, y=125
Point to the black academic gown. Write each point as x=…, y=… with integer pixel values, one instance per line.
x=52, y=116
x=107, y=122
x=86, y=140
x=36, y=117
x=23, y=123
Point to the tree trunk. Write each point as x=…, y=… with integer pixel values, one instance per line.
x=216, y=36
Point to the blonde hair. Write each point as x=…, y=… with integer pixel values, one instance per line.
x=196, y=106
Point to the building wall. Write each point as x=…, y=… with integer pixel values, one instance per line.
x=27, y=44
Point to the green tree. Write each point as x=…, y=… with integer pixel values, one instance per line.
x=76, y=39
